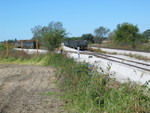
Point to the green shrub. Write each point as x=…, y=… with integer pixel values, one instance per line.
x=2, y=47
x=87, y=91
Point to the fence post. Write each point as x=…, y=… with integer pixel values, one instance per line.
x=7, y=50
x=78, y=48
x=37, y=46
x=22, y=45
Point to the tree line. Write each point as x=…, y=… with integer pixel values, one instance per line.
x=10, y=41
x=54, y=34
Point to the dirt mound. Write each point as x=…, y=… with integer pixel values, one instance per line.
x=29, y=89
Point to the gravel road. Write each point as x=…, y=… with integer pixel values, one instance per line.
x=29, y=89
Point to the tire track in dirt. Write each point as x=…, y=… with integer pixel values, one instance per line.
x=24, y=88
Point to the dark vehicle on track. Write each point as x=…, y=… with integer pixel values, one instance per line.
x=77, y=43
x=29, y=44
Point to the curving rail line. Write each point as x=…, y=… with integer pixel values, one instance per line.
x=116, y=59
x=124, y=59
x=104, y=57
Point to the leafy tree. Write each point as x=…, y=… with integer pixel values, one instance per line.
x=111, y=35
x=147, y=33
x=88, y=37
x=15, y=40
x=51, y=35
x=37, y=33
x=127, y=34
x=101, y=33
x=72, y=38
x=54, y=35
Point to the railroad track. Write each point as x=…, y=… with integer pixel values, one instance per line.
x=124, y=59
x=135, y=64
x=139, y=65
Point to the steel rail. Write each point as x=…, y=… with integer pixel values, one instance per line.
x=124, y=59
x=104, y=57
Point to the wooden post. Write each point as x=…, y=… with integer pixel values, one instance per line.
x=22, y=45
x=78, y=48
x=7, y=49
x=37, y=46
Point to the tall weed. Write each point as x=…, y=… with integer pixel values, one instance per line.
x=87, y=91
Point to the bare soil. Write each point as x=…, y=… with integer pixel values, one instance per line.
x=29, y=89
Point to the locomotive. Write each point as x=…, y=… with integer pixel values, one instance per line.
x=82, y=44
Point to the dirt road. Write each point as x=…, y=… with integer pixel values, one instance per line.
x=29, y=89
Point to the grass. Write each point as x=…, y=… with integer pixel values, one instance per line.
x=35, y=60
x=20, y=57
x=100, y=51
x=111, y=44
x=49, y=93
x=2, y=47
x=139, y=57
x=85, y=90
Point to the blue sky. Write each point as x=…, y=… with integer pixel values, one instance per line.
x=17, y=17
